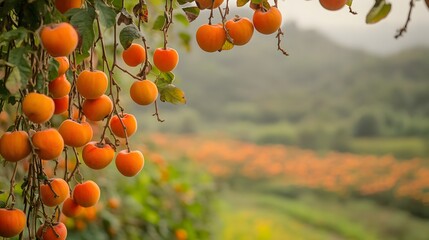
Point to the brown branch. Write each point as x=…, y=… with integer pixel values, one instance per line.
x=157, y=113
x=402, y=30
x=279, y=41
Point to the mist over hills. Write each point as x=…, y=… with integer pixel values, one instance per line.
x=320, y=94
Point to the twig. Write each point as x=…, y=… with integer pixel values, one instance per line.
x=402, y=30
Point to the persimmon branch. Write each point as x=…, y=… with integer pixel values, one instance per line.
x=402, y=30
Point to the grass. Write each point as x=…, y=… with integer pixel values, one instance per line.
x=260, y=216
x=399, y=147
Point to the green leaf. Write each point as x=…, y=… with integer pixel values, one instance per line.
x=53, y=69
x=241, y=3
x=107, y=14
x=141, y=11
x=227, y=45
x=182, y=19
x=379, y=11
x=19, y=58
x=14, y=80
x=349, y=3
x=80, y=57
x=128, y=34
x=172, y=94
x=16, y=34
x=83, y=19
x=181, y=2
x=40, y=83
x=164, y=79
x=191, y=13
x=257, y=1
x=159, y=22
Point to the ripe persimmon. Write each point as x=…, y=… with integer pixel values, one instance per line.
x=97, y=109
x=333, y=5
x=210, y=38
x=97, y=155
x=129, y=121
x=63, y=66
x=134, y=55
x=61, y=104
x=12, y=221
x=48, y=143
x=54, y=192
x=59, y=87
x=64, y=5
x=267, y=22
x=59, y=39
x=144, y=92
x=71, y=208
x=129, y=163
x=15, y=146
x=86, y=194
x=91, y=84
x=38, y=107
x=181, y=234
x=240, y=30
x=165, y=59
x=55, y=231
x=75, y=134
x=208, y=4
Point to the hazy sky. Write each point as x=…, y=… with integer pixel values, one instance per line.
x=351, y=30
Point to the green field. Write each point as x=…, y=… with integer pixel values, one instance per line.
x=260, y=216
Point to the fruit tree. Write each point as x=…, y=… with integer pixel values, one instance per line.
x=60, y=66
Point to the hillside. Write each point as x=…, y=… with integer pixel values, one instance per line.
x=321, y=96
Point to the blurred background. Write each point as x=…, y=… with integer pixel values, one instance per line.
x=331, y=142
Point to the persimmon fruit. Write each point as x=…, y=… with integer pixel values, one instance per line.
x=165, y=59
x=59, y=39
x=56, y=231
x=15, y=146
x=144, y=92
x=59, y=87
x=86, y=194
x=54, y=192
x=129, y=121
x=71, y=209
x=97, y=155
x=210, y=38
x=267, y=22
x=65, y=5
x=38, y=107
x=134, y=55
x=64, y=65
x=75, y=134
x=92, y=84
x=97, y=109
x=48, y=143
x=12, y=221
x=129, y=163
x=240, y=30
x=333, y=5
x=208, y=4
x=61, y=104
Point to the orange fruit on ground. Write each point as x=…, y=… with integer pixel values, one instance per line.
x=63, y=65
x=134, y=55
x=267, y=22
x=333, y=5
x=211, y=38
x=75, y=134
x=207, y=4
x=71, y=208
x=57, y=231
x=165, y=59
x=12, y=221
x=97, y=109
x=240, y=30
x=129, y=163
x=61, y=104
x=59, y=39
x=38, y=107
x=91, y=84
x=15, y=146
x=144, y=92
x=86, y=194
x=97, y=155
x=54, y=192
x=129, y=121
x=48, y=143
x=59, y=87
x=64, y=5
